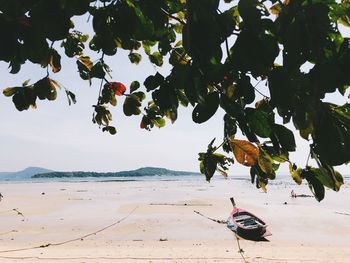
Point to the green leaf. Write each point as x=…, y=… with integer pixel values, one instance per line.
x=134, y=86
x=20, y=102
x=228, y=20
x=332, y=135
x=74, y=43
x=245, y=89
x=159, y=122
x=248, y=10
x=135, y=58
x=253, y=174
x=71, y=97
x=97, y=71
x=140, y=95
x=285, y=137
x=76, y=7
x=156, y=58
x=324, y=177
x=276, y=154
x=259, y=122
x=208, y=165
x=153, y=82
x=132, y=105
x=266, y=164
x=315, y=185
x=112, y=130
x=45, y=89
x=203, y=112
x=50, y=19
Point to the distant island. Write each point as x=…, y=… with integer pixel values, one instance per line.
x=145, y=171
x=24, y=174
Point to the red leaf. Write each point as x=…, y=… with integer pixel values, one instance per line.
x=142, y=125
x=117, y=87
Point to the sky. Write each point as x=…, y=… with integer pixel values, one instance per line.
x=63, y=138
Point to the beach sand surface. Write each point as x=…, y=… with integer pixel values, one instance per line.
x=154, y=221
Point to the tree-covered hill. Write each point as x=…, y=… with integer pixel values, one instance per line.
x=145, y=171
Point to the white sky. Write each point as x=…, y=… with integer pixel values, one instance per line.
x=61, y=137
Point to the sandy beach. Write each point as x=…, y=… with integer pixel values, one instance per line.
x=154, y=221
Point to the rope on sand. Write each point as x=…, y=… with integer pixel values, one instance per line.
x=341, y=213
x=11, y=210
x=71, y=240
x=8, y=232
x=184, y=204
x=212, y=219
x=240, y=250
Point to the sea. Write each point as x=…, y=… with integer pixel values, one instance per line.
x=284, y=179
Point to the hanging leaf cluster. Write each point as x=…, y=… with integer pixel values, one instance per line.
x=219, y=51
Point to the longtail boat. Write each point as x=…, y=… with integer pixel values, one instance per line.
x=246, y=224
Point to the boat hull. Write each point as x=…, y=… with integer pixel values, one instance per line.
x=247, y=225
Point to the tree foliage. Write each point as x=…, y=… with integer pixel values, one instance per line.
x=216, y=54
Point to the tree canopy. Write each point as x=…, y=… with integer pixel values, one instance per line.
x=217, y=57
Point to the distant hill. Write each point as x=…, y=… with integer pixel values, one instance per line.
x=145, y=171
x=24, y=174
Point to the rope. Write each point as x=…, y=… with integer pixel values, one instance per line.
x=240, y=250
x=212, y=219
x=71, y=240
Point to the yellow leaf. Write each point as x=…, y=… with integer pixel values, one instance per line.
x=85, y=60
x=295, y=174
x=230, y=91
x=276, y=9
x=181, y=15
x=305, y=133
x=245, y=152
x=55, y=61
x=9, y=91
x=223, y=173
x=262, y=184
x=338, y=181
x=265, y=163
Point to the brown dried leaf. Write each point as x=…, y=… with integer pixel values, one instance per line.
x=245, y=152
x=55, y=61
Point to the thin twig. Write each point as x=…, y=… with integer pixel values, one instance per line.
x=259, y=91
x=224, y=141
x=173, y=17
x=226, y=43
x=101, y=84
x=308, y=158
